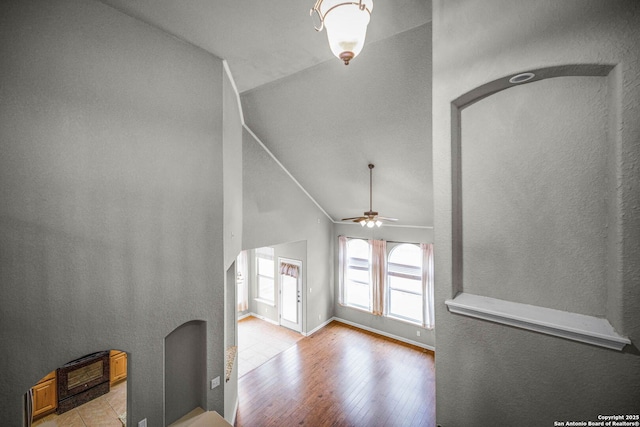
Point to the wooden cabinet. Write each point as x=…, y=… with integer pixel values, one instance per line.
x=45, y=396
x=118, y=368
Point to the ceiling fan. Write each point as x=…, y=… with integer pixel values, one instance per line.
x=370, y=218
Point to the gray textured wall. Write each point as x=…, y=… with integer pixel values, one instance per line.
x=111, y=196
x=489, y=374
x=539, y=239
x=276, y=211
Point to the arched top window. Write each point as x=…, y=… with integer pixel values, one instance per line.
x=406, y=260
x=405, y=286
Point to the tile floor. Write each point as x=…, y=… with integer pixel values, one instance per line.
x=100, y=412
x=259, y=341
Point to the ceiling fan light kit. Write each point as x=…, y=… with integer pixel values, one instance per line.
x=370, y=218
x=370, y=223
x=346, y=23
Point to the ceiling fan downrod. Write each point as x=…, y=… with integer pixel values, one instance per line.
x=370, y=218
x=371, y=166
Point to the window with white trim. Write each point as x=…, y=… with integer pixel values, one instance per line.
x=405, y=290
x=357, y=274
x=265, y=274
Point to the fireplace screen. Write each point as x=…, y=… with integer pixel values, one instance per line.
x=84, y=375
x=80, y=376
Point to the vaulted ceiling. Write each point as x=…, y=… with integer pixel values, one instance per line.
x=322, y=120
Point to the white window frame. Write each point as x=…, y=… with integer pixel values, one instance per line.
x=418, y=277
x=265, y=253
x=347, y=280
x=426, y=280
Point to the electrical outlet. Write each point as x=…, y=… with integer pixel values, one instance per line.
x=142, y=423
x=310, y=290
x=319, y=318
x=417, y=333
x=215, y=382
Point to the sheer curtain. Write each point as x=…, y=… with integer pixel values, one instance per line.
x=242, y=282
x=427, y=283
x=378, y=275
x=342, y=267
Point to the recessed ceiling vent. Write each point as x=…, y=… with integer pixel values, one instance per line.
x=521, y=78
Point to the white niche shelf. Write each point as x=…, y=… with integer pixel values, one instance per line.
x=573, y=326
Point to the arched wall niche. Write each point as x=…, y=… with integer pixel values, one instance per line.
x=535, y=166
x=185, y=370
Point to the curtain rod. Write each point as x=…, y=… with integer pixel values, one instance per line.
x=388, y=241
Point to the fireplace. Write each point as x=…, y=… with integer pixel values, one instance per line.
x=82, y=380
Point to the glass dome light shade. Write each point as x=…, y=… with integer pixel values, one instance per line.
x=346, y=26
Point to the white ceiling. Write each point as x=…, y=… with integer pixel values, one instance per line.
x=325, y=121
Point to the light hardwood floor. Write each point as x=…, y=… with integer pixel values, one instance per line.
x=341, y=376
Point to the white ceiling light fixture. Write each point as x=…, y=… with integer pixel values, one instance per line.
x=346, y=23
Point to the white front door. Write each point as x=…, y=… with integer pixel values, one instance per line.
x=290, y=281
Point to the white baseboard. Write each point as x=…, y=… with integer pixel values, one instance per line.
x=385, y=334
x=355, y=325
x=322, y=325
x=244, y=316
x=273, y=322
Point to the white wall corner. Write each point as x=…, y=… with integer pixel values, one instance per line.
x=227, y=70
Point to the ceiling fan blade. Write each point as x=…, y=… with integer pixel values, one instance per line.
x=384, y=218
x=357, y=218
